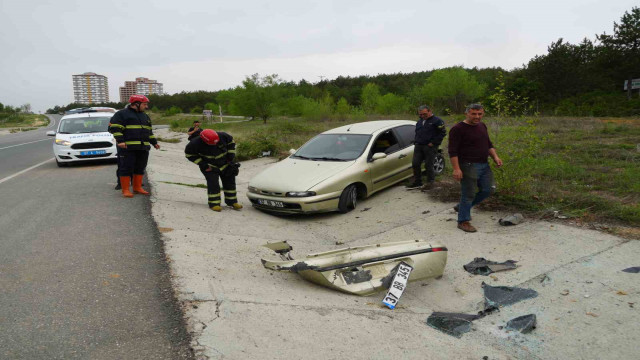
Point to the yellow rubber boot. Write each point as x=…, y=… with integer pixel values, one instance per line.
x=137, y=185
x=217, y=208
x=237, y=206
x=125, y=182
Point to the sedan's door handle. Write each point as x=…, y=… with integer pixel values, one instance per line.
x=402, y=156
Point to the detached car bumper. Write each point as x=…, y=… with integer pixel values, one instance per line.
x=295, y=205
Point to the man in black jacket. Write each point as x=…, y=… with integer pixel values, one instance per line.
x=430, y=131
x=131, y=128
x=214, y=152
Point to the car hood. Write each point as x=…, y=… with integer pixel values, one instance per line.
x=297, y=175
x=87, y=137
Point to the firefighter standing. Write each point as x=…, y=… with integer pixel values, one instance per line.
x=214, y=153
x=132, y=129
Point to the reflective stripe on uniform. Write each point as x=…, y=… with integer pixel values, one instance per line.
x=133, y=142
x=146, y=143
x=214, y=195
x=117, y=134
x=133, y=126
x=152, y=136
x=197, y=161
x=213, y=156
x=229, y=191
x=232, y=151
x=146, y=127
x=117, y=125
x=215, y=201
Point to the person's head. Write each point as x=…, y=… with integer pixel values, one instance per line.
x=474, y=114
x=196, y=123
x=424, y=112
x=209, y=136
x=139, y=102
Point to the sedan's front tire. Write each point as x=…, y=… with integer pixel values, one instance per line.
x=348, y=199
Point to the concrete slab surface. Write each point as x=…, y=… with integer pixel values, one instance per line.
x=586, y=308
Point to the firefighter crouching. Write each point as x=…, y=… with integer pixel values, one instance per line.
x=214, y=153
x=132, y=129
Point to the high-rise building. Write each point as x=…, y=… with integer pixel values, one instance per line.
x=142, y=86
x=90, y=88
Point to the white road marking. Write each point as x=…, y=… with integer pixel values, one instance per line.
x=31, y=142
x=24, y=171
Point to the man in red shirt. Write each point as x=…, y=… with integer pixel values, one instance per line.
x=469, y=148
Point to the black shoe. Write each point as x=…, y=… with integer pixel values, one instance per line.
x=415, y=185
x=118, y=187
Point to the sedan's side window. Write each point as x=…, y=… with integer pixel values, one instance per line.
x=407, y=134
x=385, y=143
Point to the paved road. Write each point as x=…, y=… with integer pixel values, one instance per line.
x=82, y=270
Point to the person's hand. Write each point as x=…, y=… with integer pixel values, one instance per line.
x=498, y=161
x=156, y=146
x=457, y=174
x=430, y=145
x=209, y=169
x=122, y=145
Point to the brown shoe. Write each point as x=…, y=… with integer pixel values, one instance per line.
x=466, y=226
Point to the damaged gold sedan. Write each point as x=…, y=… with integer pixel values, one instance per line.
x=362, y=270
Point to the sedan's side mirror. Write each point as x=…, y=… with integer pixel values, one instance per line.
x=378, y=156
x=292, y=151
x=51, y=133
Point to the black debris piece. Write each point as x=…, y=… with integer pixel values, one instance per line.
x=482, y=266
x=497, y=296
x=454, y=324
x=365, y=209
x=523, y=324
x=633, y=270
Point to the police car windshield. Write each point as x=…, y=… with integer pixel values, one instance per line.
x=84, y=125
x=333, y=147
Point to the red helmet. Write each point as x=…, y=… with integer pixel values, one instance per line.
x=138, y=98
x=209, y=136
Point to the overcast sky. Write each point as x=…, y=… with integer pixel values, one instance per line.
x=210, y=45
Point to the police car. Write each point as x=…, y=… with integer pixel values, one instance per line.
x=83, y=135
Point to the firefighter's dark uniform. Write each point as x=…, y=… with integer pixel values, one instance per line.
x=134, y=129
x=220, y=158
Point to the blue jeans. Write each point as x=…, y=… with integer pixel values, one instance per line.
x=474, y=175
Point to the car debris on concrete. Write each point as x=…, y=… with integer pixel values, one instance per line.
x=497, y=296
x=523, y=324
x=511, y=220
x=362, y=270
x=454, y=324
x=482, y=266
x=633, y=270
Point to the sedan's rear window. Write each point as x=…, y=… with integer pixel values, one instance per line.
x=334, y=147
x=84, y=125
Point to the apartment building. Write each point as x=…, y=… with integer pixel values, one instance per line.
x=142, y=86
x=90, y=88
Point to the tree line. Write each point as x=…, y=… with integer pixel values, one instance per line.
x=584, y=79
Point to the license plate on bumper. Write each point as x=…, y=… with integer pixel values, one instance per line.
x=93, y=152
x=398, y=285
x=272, y=203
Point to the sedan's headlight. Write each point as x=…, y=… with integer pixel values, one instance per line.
x=62, y=142
x=300, y=193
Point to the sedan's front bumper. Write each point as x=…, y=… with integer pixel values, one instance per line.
x=66, y=154
x=296, y=205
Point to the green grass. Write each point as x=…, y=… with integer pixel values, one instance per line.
x=23, y=121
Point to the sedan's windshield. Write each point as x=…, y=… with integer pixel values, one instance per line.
x=334, y=147
x=84, y=125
